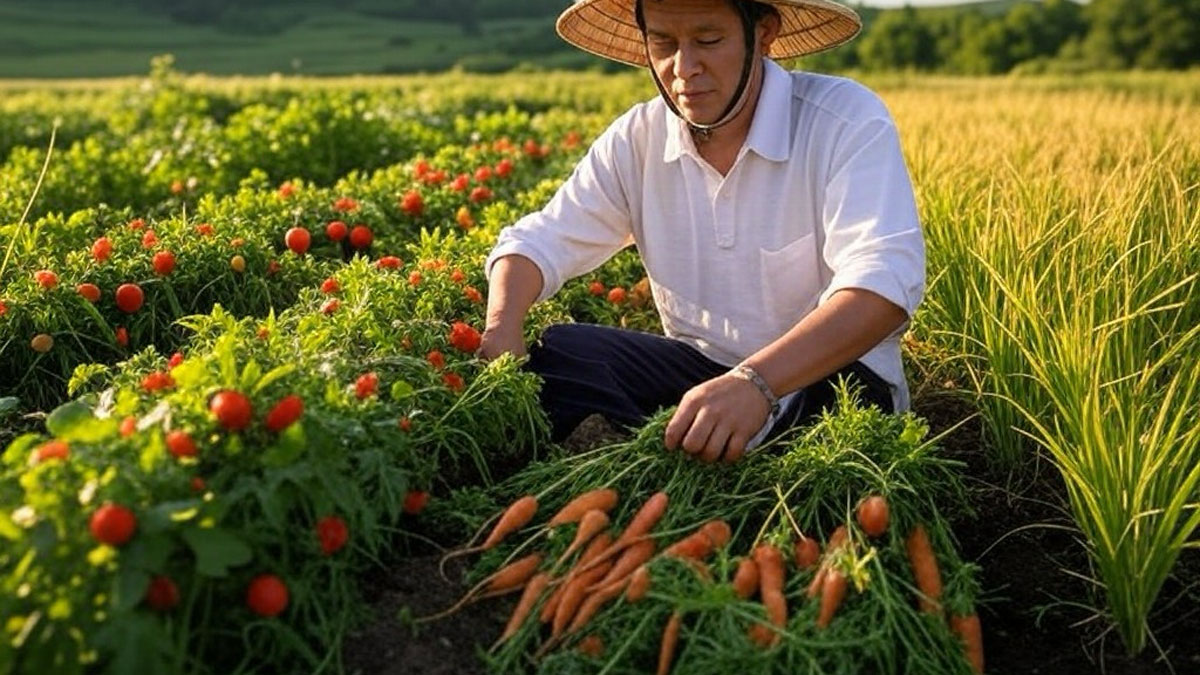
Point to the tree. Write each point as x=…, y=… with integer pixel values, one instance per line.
x=1143, y=33
x=898, y=39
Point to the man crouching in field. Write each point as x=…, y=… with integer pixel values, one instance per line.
x=773, y=213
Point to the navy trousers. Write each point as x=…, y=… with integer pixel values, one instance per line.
x=626, y=376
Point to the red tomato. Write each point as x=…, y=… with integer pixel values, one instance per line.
x=128, y=426
x=453, y=382
x=149, y=240
x=157, y=381
x=420, y=168
x=415, y=500
x=360, y=236
x=483, y=174
x=233, y=410
x=366, y=385
x=273, y=268
x=336, y=230
x=460, y=183
x=596, y=288
x=136, y=224
x=873, y=515
x=46, y=279
x=504, y=168
x=101, y=249
x=113, y=524
x=286, y=190
x=436, y=359
x=122, y=336
x=330, y=286
x=164, y=262
x=389, y=262
x=205, y=229
x=617, y=295
x=473, y=294
x=330, y=306
x=267, y=595
x=332, y=533
x=129, y=298
x=414, y=278
x=180, y=444
x=286, y=411
x=345, y=204
x=405, y=424
x=480, y=194
x=412, y=204
x=91, y=292
x=162, y=594
x=175, y=360
x=464, y=338
x=457, y=276
x=298, y=240
x=55, y=449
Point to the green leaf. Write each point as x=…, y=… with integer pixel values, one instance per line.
x=189, y=374
x=216, y=550
x=161, y=516
x=271, y=377
x=147, y=552
x=251, y=373
x=8, y=403
x=129, y=587
x=401, y=390
x=67, y=417
x=83, y=375
x=288, y=448
x=18, y=451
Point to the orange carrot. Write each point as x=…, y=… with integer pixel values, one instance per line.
x=515, y=517
x=589, y=526
x=814, y=587
x=515, y=574
x=833, y=590
x=593, y=550
x=770, y=585
x=745, y=580
x=761, y=635
x=837, y=540
x=806, y=552
x=701, y=543
x=595, y=601
x=525, y=605
x=592, y=646
x=573, y=595
x=643, y=521
x=630, y=560
x=925, y=569
x=639, y=583
x=670, y=636
x=596, y=500
x=967, y=627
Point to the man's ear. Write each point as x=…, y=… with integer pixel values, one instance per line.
x=767, y=30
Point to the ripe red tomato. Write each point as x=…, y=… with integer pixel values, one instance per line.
x=175, y=360
x=298, y=240
x=129, y=298
x=345, y=204
x=233, y=410
x=180, y=444
x=483, y=174
x=453, y=382
x=267, y=595
x=504, y=168
x=480, y=194
x=457, y=276
x=122, y=336
x=287, y=410
x=415, y=500
x=46, y=279
x=473, y=294
x=101, y=249
x=330, y=306
x=149, y=240
x=162, y=594
x=873, y=515
x=366, y=385
x=157, y=381
x=596, y=288
x=414, y=278
x=205, y=229
x=360, y=236
x=412, y=204
x=460, y=183
x=55, y=449
x=336, y=230
x=389, y=262
x=164, y=262
x=464, y=337
x=330, y=286
x=436, y=359
x=113, y=524
x=617, y=295
x=136, y=224
x=128, y=426
x=286, y=190
x=91, y=292
x=332, y=533
x=405, y=424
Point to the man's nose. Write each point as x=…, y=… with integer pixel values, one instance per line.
x=687, y=62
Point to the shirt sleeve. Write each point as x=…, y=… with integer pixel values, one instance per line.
x=587, y=220
x=873, y=237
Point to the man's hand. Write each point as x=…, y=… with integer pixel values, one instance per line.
x=720, y=415
x=498, y=340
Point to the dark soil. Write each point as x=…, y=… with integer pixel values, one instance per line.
x=1020, y=534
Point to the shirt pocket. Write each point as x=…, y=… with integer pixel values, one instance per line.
x=790, y=281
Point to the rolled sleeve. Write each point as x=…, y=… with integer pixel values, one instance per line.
x=873, y=237
x=585, y=223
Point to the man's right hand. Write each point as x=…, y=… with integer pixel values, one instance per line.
x=498, y=340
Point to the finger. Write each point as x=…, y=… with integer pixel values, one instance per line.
x=697, y=436
x=735, y=447
x=679, y=424
x=716, y=445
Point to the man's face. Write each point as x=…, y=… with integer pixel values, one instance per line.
x=697, y=48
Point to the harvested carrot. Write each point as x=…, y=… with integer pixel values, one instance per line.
x=643, y=521
x=814, y=587
x=925, y=569
x=595, y=601
x=837, y=540
x=603, y=499
x=592, y=523
x=806, y=551
x=701, y=543
x=630, y=560
x=592, y=646
x=833, y=591
x=508, y=578
x=670, y=636
x=639, y=583
x=600, y=544
x=761, y=635
x=745, y=579
x=512, y=519
x=770, y=585
x=873, y=515
x=967, y=627
x=573, y=595
x=533, y=590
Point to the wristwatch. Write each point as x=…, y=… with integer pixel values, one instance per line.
x=745, y=372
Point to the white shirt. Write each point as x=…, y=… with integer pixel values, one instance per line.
x=818, y=200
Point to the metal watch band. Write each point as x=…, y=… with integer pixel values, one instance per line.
x=747, y=373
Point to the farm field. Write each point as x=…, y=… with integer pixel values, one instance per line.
x=241, y=420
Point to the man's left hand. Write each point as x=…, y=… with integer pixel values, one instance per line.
x=718, y=416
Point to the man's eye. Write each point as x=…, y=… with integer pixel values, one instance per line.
x=708, y=43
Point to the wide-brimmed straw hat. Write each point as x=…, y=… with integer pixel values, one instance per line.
x=609, y=28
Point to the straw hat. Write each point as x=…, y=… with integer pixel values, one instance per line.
x=608, y=28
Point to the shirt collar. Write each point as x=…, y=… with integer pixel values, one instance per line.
x=770, y=131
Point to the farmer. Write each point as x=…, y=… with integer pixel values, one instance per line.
x=773, y=213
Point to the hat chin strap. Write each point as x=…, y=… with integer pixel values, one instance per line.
x=700, y=131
